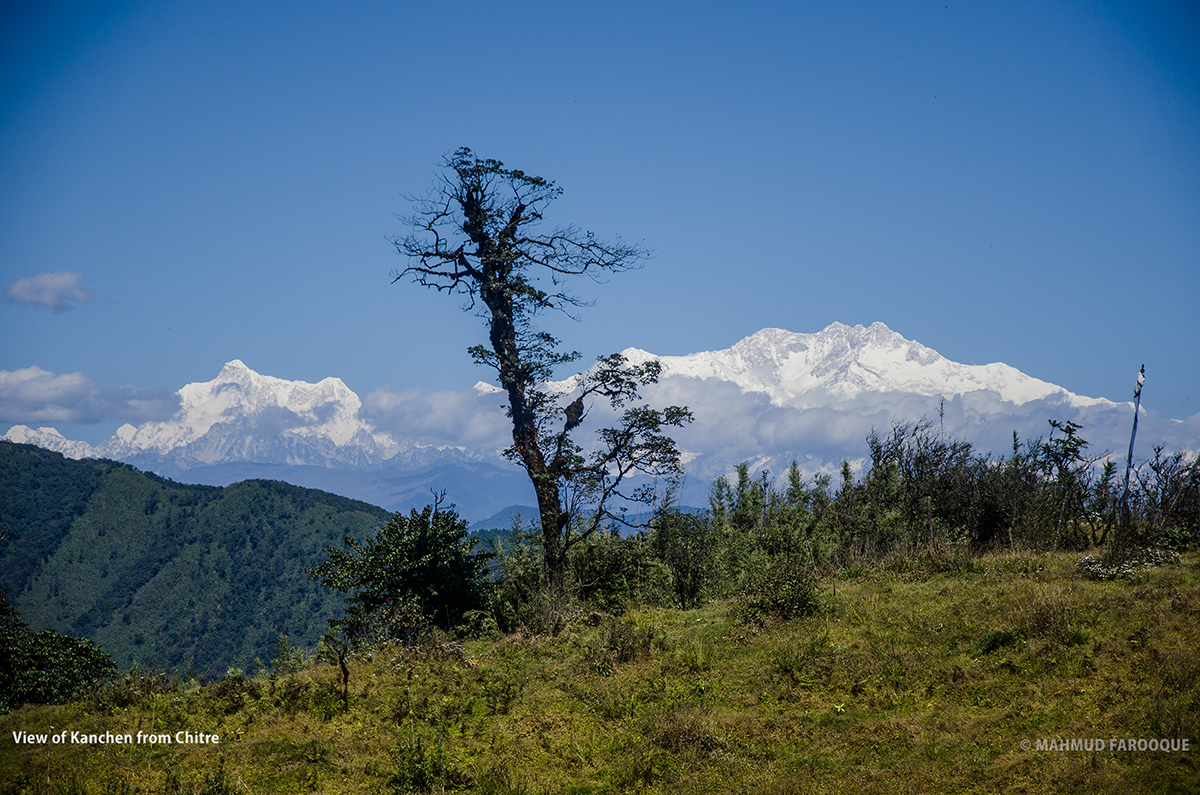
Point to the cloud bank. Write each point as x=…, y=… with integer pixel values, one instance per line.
x=58, y=291
x=34, y=395
x=732, y=425
x=473, y=419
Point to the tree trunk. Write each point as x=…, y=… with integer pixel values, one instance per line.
x=554, y=556
x=525, y=435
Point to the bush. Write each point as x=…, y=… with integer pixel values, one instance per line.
x=521, y=599
x=419, y=569
x=612, y=573
x=132, y=688
x=45, y=667
x=624, y=641
x=782, y=588
x=422, y=767
x=685, y=543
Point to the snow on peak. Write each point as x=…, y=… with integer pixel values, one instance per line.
x=50, y=439
x=841, y=362
x=636, y=356
x=265, y=406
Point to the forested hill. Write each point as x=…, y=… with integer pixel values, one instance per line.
x=167, y=573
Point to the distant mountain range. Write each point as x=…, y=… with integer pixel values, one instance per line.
x=243, y=425
x=774, y=397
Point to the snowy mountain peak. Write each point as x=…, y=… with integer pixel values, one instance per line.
x=840, y=363
x=235, y=368
x=50, y=439
x=244, y=415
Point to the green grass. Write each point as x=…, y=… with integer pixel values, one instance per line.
x=904, y=682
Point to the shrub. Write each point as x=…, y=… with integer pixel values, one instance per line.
x=131, y=688
x=421, y=766
x=520, y=597
x=45, y=667
x=783, y=588
x=613, y=573
x=686, y=544
x=418, y=569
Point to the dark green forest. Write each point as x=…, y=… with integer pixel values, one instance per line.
x=180, y=577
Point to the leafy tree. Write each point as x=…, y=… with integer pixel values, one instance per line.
x=45, y=667
x=686, y=544
x=1068, y=472
x=418, y=568
x=474, y=234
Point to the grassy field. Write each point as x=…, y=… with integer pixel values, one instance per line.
x=910, y=680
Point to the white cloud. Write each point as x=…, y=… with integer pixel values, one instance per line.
x=58, y=291
x=34, y=395
x=473, y=419
x=732, y=425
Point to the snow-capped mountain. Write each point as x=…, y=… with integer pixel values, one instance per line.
x=243, y=416
x=840, y=364
x=50, y=439
x=774, y=397
x=778, y=396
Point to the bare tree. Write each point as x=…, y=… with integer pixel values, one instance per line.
x=473, y=234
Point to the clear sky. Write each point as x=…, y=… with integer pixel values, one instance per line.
x=184, y=183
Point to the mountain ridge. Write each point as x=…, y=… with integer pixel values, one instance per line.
x=845, y=361
x=772, y=397
x=165, y=573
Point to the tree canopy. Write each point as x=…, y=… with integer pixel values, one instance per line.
x=45, y=667
x=417, y=568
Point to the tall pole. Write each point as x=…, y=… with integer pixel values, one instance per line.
x=1137, y=402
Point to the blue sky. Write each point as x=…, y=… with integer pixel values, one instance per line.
x=1014, y=182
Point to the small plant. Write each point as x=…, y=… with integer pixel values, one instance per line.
x=793, y=656
x=288, y=659
x=216, y=782
x=623, y=641
x=696, y=656
x=335, y=648
x=996, y=639
x=500, y=686
x=497, y=779
x=421, y=766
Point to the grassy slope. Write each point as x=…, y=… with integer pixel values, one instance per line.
x=909, y=683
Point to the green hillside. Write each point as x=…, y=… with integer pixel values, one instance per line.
x=163, y=573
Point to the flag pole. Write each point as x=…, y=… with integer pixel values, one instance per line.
x=1137, y=403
